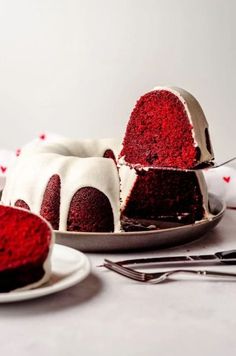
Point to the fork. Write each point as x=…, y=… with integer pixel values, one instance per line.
x=158, y=277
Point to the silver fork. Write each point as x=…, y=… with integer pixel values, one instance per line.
x=158, y=277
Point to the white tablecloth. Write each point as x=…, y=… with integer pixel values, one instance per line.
x=109, y=315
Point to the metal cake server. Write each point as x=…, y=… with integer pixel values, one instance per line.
x=201, y=166
x=217, y=165
x=224, y=163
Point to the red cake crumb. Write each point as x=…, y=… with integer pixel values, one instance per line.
x=50, y=208
x=22, y=204
x=159, y=133
x=109, y=154
x=24, y=239
x=90, y=211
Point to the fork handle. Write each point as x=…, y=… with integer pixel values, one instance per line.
x=203, y=273
x=215, y=273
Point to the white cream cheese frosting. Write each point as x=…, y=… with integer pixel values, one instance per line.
x=78, y=165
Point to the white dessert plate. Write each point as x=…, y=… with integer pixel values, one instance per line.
x=141, y=240
x=69, y=267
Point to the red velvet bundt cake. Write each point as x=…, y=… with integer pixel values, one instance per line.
x=85, y=185
x=167, y=128
x=25, y=249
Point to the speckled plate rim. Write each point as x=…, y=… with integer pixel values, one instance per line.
x=142, y=240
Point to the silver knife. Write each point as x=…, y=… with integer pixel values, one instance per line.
x=223, y=257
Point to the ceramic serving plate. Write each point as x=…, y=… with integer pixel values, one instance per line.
x=124, y=241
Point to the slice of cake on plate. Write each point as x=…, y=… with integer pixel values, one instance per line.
x=26, y=242
x=167, y=128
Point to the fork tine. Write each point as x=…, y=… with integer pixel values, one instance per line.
x=142, y=276
x=124, y=274
x=127, y=272
x=119, y=266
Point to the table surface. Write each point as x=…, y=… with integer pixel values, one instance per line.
x=108, y=314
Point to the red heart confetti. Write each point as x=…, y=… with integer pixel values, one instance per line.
x=3, y=169
x=18, y=151
x=42, y=137
x=226, y=179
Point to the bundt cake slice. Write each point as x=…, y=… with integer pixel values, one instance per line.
x=25, y=249
x=163, y=195
x=166, y=137
x=167, y=128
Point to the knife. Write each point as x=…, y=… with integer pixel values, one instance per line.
x=223, y=257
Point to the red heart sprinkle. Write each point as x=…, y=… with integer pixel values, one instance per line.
x=18, y=151
x=3, y=169
x=42, y=137
x=226, y=179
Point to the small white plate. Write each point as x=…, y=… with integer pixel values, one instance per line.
x=69, y=267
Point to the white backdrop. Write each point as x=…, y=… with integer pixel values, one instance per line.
x=77, y=67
